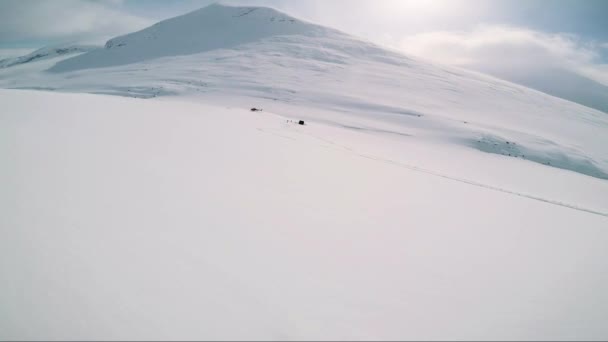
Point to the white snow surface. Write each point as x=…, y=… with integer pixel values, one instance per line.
x=418, y=202
x=161, y=219
x=252, y=56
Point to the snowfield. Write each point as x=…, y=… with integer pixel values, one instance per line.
x=418, y=202
x=149, y=219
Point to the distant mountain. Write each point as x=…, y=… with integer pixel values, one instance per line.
x=46, y=53
x=561, y=83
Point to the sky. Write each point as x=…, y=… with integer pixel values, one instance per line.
x=500, y=37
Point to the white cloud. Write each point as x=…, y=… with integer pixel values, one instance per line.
x=503, y=50
x=89, y=20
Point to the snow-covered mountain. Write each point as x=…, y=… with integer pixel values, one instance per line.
x=47, y=53
x=262, y=57
x=558, y=82
x=213, y=27
x=418, y=202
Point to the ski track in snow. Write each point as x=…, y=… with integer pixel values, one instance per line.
x=456, y=179
x=276, y=134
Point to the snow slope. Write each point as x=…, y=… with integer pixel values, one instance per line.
x=163, y=219
x=12, y=53
x=558, y=82
x=210, y=28
x=418, y=202
x=45, y=54
x=249, y=56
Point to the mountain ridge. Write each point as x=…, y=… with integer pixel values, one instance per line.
x=213, y=27
x=47, y=52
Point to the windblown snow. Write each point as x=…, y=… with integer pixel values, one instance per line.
x=417, y=202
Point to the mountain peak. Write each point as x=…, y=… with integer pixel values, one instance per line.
x=213, y=27
x=236, y=11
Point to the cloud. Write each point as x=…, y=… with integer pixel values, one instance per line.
x=65, y=20
x=502, y=49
